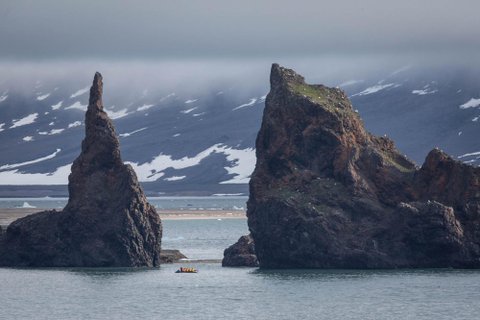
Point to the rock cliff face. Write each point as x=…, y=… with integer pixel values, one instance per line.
x=107, y=221
x=327, y=194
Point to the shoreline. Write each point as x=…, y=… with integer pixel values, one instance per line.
x=8, y=215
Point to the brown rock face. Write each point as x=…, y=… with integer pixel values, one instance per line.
x=240, y=254
x=325, y=193
x=107, y=221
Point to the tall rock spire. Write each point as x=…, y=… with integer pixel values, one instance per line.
x=96, y=92
x=107, y=221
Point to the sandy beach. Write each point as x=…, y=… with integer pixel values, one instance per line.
x=8, y=215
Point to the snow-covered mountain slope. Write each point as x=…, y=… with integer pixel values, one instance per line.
x=202, y=142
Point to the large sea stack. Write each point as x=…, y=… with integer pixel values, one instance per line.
x=107, y=221
x=325, y=193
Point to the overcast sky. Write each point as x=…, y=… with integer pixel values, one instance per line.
x=166, y=29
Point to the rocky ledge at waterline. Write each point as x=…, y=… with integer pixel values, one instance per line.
x=240, y=254
x=107, y=221
x=327, y=194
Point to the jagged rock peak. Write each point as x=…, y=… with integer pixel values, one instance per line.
x=325, y=193
x=100, y=147
x=96, y=92
x=280, y=76
x=107, y=221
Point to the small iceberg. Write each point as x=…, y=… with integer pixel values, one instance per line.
x=26, y=205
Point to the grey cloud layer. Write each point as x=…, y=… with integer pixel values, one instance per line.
x=32, y=29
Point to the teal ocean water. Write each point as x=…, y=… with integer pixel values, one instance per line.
x=234, y=293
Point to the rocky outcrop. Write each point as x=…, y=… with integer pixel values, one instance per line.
x=171, y=256
x=325, y=193
x=107, y=221
x=240, y=254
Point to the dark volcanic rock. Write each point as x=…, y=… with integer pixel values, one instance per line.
x=107, y=221
x=171, y=256
x=327, y=194
x=241, y=254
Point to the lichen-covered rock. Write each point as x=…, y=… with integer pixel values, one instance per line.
x=240, y=254
x=325, y=193
x=107, y=221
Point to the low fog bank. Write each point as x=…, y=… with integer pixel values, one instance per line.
x=127, y=79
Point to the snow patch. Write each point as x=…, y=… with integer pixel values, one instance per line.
x=128, y=134
x=198, y=114
x=77, y=105
x=175, y=178
x=376, y=88
x=1, y=127
x=74, y=124
x=248, y=104
x=57, y=106
x=117, y=114
x=24, y=121
x=21, y=164
x=469, y=155
x=80, y=92
x=15, y=177
x=145, y=107
x=176, y=135
x=472, y=103
x=51, y=132
x=43, y=97
x=426, y=90
x=402, y=69
x=3, y=97
x=167, y=96
x=474, y=119
x=27, y=138
x=243, y=163
x=188, y=110
x=227, y=194
x=51, y=123
x=423, y=92
x=191, y=101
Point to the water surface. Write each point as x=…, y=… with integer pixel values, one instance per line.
x=228, y=293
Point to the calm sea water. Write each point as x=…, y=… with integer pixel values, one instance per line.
x=234, y=293
x=226, y=293
x=166, y=203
